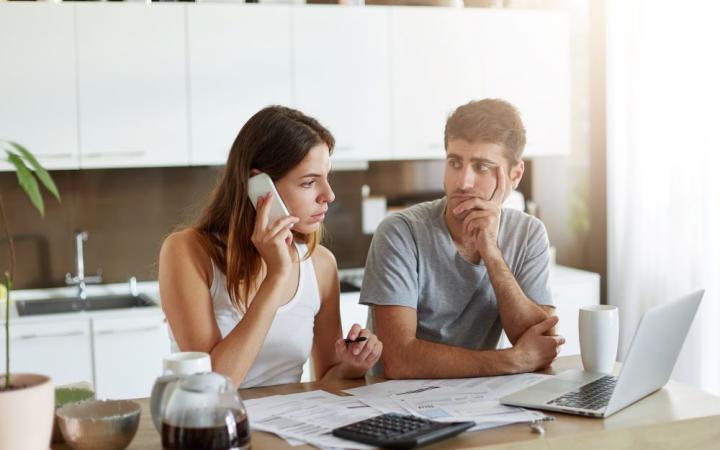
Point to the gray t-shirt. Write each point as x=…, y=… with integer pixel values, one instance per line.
x=413, y=262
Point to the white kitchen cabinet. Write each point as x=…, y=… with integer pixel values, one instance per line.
x=425, y=54
x=38, y=96
x=239, y=61
x=525, y=57
x=342, y=76
x=60, y=350
x=101, y=85
x=128, y=354
x=132, y=85
x=572, y=289
x=520, y=56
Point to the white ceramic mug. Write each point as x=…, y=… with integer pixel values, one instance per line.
x=599, y=332
x=187, y=363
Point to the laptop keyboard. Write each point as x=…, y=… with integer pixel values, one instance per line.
x=591, y=396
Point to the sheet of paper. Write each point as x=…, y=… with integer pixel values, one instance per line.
x=451, y=400
x=391, y=387
x=307, y=433
x=457, y=405
x=384, y=404
x=496, y=386
x=261, y=408
x=309, y=417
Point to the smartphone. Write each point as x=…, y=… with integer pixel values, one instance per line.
x=259, y=186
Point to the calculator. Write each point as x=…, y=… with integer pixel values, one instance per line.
x=400, y=431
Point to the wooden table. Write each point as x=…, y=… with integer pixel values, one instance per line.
x=675, y=417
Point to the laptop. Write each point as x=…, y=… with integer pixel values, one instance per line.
x=654, y=350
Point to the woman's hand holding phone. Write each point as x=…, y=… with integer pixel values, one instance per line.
x=273, y=240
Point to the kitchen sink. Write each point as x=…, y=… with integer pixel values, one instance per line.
x=73, y=304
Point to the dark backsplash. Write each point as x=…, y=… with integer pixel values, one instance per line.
x=128, y=212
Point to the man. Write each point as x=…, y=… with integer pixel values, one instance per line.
x=444, y=278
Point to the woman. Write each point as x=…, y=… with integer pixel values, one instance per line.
x=259, y=296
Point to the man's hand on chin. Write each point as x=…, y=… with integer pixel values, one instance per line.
x=482, y=223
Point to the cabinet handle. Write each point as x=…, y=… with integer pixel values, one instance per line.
x=52, y=335
x=129, y=330
x=54, y=155
x=128, y=153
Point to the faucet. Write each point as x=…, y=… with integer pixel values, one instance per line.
x=80, y=279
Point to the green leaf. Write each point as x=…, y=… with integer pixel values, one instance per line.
x=27, y=182
x=40, y=171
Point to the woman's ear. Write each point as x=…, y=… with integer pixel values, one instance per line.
x=254, y=172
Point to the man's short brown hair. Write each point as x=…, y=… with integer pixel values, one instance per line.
x=489, y=120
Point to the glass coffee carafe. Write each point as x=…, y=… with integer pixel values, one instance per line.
x=205, y=412
x=175, y=367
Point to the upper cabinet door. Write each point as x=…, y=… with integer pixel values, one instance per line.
x=38, y=103
x=240, y=61
x=426, y=54
x=342, y=76
x=132, y=85
x=526, y=56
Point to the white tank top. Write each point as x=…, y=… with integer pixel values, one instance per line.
x=289, y=340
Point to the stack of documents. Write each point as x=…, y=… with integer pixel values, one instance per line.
x=453, y=400
x=309, y=417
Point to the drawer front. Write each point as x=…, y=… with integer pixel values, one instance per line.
x=568, y=299
x=60, y=350
x=128, y=355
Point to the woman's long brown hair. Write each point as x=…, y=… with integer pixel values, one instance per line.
x=273, y=141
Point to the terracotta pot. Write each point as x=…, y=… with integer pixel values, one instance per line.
x=26, y=415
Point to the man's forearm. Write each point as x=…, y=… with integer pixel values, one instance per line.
x=424, y=359
x=517, y=311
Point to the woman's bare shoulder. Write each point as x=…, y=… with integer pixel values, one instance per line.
x=326, y=271
x=185, y=240
x=184, y=248
x=324, y=259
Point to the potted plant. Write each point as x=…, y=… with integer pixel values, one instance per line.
x=26, y=400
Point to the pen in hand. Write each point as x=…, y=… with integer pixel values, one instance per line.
x=357, y=339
